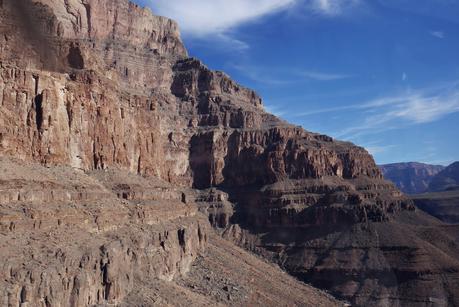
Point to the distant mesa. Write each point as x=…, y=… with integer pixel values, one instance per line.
x=434, y=188
x=447, y=179
x=411, y=177
x=442, y=197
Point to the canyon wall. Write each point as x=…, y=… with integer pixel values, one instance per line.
x=105, y=86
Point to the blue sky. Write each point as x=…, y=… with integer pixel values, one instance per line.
x=383, y=74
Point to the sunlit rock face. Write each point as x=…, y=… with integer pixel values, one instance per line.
x=105, y=86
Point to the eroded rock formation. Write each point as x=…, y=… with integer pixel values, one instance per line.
x=412, y=177
x=115, y=93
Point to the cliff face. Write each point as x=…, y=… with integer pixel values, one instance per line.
x=447, y=179
x=97, y=108
x=85, y=90
x=105, y=86
x=411, y=178
x=75, y=239
x=442, y=196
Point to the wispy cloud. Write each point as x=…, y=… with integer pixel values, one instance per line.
x=376, y=148
x=319, y=76
x=211, y=17
x=437, y=34
x=235, y=43
x=392, y=112
x=219, y=19
x=285, y=76
x=332, y=7
x=275, y=110
x=260, y=75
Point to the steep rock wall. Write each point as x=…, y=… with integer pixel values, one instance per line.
x=106, y=85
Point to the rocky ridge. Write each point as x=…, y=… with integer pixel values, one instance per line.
x=412, y=177
x=447, y=179
x=119, y=95
x=442, y=198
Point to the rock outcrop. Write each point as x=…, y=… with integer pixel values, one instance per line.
x=106, y=88
x=412, y=177
x=69, y=239
x=112, y=238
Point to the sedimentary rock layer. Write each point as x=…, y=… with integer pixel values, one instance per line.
x=106, y=88
x=411, y=178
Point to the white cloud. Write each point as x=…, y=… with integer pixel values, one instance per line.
x=261, y=75
x=319, y=76
x=392, y=112
x=209, y=17
x=419, y=109
x=437, y=34
x=235, y=43
x=375, y=149
x=275, y=110
x=285, y=76
x=332, y=7
x=218, y=20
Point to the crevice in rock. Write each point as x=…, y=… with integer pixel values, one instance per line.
x=139, y=165
x=39, y=111
x=95, y=156
x=23, y=295
x=106, y=281
x=200, y=237
x=47, y=303
x=74, y=57
x=181, y=238
x=36, y=80
x=68, y=108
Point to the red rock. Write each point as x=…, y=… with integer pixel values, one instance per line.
x=106, y=87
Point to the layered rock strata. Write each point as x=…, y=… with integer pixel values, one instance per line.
x=67, y=239
x=412, y=177
x=106, y=87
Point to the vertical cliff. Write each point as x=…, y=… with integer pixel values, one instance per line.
x=106, y=86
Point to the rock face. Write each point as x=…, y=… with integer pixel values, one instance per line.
x=442, y=198
x=71, y=239
x=447, y=179
x=86, y=90
x=106, y=88
x=110, y=238
x=412, y=177
x=436, y=187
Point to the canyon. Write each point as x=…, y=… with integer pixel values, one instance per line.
x=411, y=177
x=442, y=197
x=133, y=175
